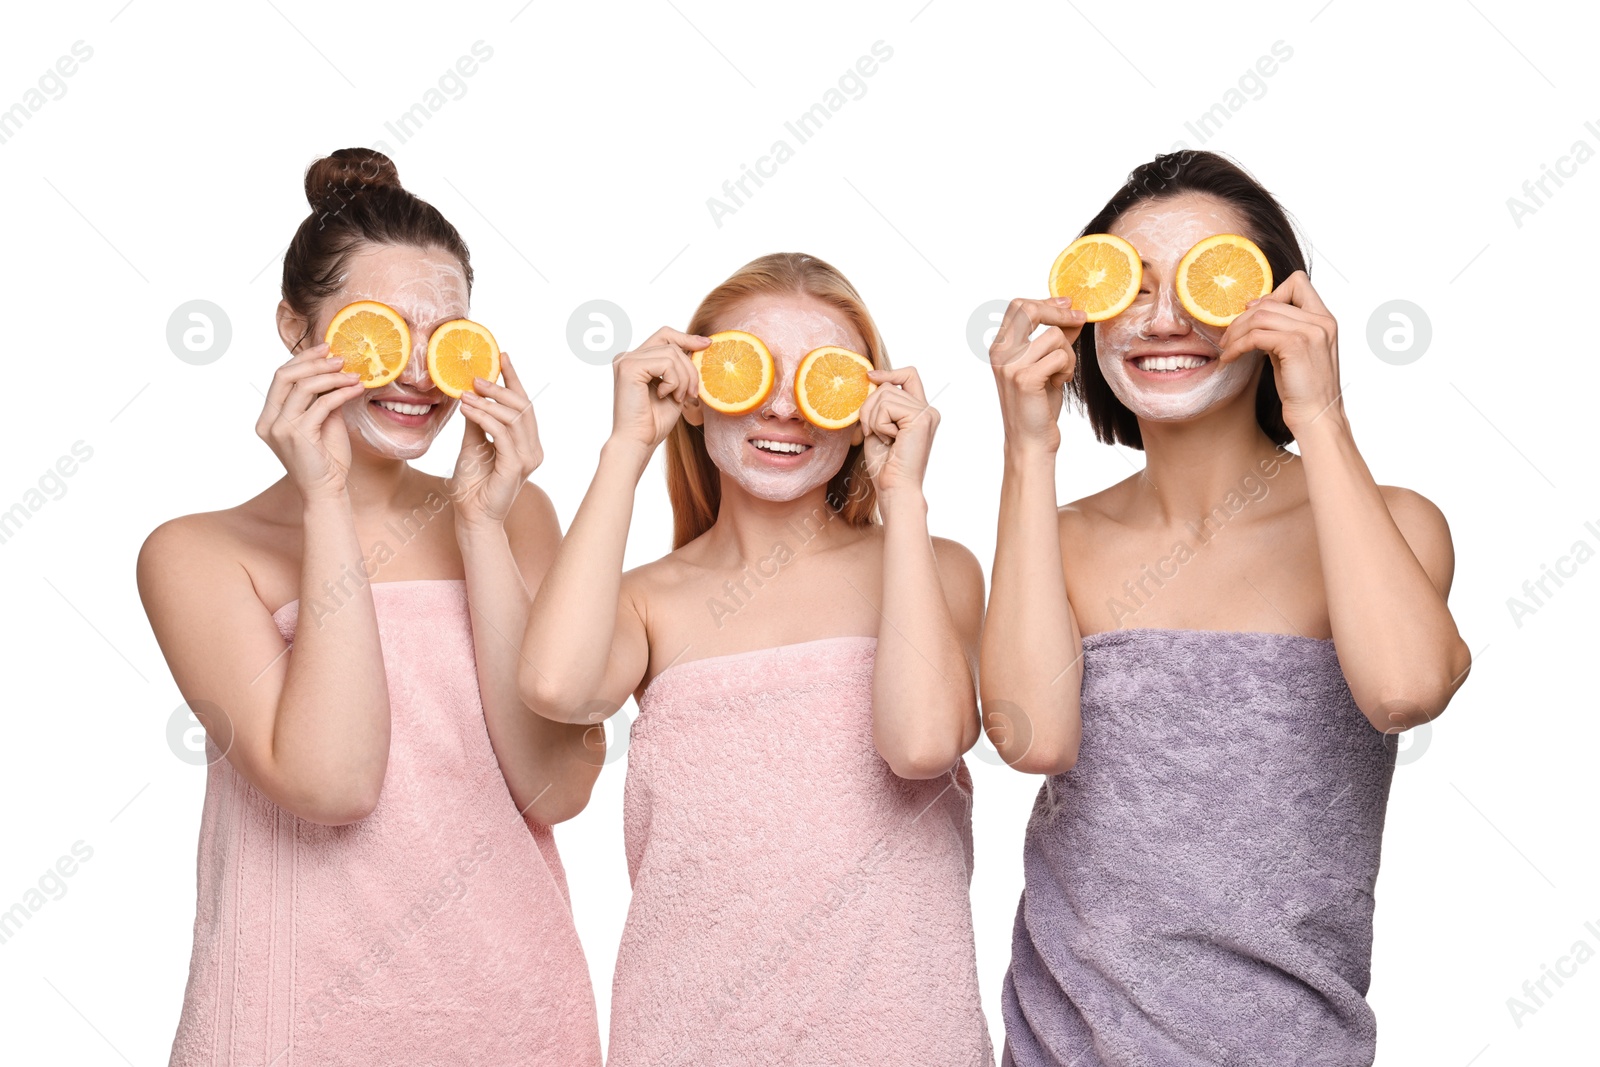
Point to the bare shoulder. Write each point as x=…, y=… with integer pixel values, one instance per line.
x=958, y=565
x=533, y=502
x=1410, y=505
x=955, y=555
x=656, y=580
x=192, y=553
x=1080, y=521
x=533, y=515
x=1425, y=529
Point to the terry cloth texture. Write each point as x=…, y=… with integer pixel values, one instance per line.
x=795, y=902
x=1198, y=889
x=435, y=931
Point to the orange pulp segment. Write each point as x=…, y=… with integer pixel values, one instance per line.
x=1100, y=272
x=372, y=339
x=459, y=351
x=736, y=372
x=1220, y=275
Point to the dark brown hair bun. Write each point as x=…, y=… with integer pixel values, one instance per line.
x=356, y=199
x=335, y=178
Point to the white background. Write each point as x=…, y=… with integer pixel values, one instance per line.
x=578, y=164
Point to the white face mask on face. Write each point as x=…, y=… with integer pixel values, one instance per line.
x=1156, y=323
x=427, y=287
x=790, y=329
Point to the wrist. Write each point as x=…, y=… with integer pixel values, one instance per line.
x=477, y=529
x=1029, y=456
x=908, y=502
x=630, y=455
x=324, y=501
x=1330, y=425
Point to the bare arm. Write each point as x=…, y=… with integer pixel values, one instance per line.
x=308, y=728
x=508, y=533
x=1386, y=569
x=924, y=697
x=924, y=703
x=585, y=649
x=1031, y=670
x=549, y=767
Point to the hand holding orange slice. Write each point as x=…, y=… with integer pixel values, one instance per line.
x=736, y=372
x=1100, y=272
x=372, y=339
x=1220, y=275
x=830, y=385
x=459, y=351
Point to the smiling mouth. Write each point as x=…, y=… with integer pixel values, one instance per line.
x=779, y=448
x=413, y=413
x=1162, y=364
x=402, y=408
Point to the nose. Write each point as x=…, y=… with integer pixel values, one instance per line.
x=780, y=403
x=1167, y=316
x=416, y=370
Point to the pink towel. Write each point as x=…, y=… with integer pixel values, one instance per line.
x=794, y=901
x=435, y=931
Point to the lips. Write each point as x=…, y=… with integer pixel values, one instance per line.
x=780, y=446
x=407, y=411
x=1170, y=363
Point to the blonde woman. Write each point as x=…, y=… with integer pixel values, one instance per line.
x=797, y=813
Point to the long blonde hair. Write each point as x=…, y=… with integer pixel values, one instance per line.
x=693, y=482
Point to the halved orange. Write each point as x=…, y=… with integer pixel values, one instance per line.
x=830, y=385
x=1218, y=276
x=372, y=339
x=1100, y=272
x=458, y=351
x=736, y=372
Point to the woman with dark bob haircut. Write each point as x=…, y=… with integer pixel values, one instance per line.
x=1228, y=639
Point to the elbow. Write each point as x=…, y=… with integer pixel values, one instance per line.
x=1418, y=699
x=1043, y=759
x=920, y=761
x=532, y=687
x=349, y=806
x=1033, y=744
x=546, y=697
x=560, y=808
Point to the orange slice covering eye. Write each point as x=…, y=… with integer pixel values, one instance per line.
x=1220, y=275
x=1100, y=272
x=830, y=385
x=372, y=339
x=459, y=351
x=736, y=372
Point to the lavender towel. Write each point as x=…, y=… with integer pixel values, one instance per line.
x=1199, y=887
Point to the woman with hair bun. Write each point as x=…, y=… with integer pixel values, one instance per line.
x=372, y=887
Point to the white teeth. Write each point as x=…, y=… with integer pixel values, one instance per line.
x=404, y=409
x=1171, y=362
x=779, y=446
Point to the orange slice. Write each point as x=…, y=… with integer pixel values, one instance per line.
x=459, y=351
x=830, y=385
x=736, y=372
x=372, y=339
x=1101, y=274
x=1218, y=276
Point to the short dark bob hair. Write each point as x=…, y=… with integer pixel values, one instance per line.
x=1266, y=223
